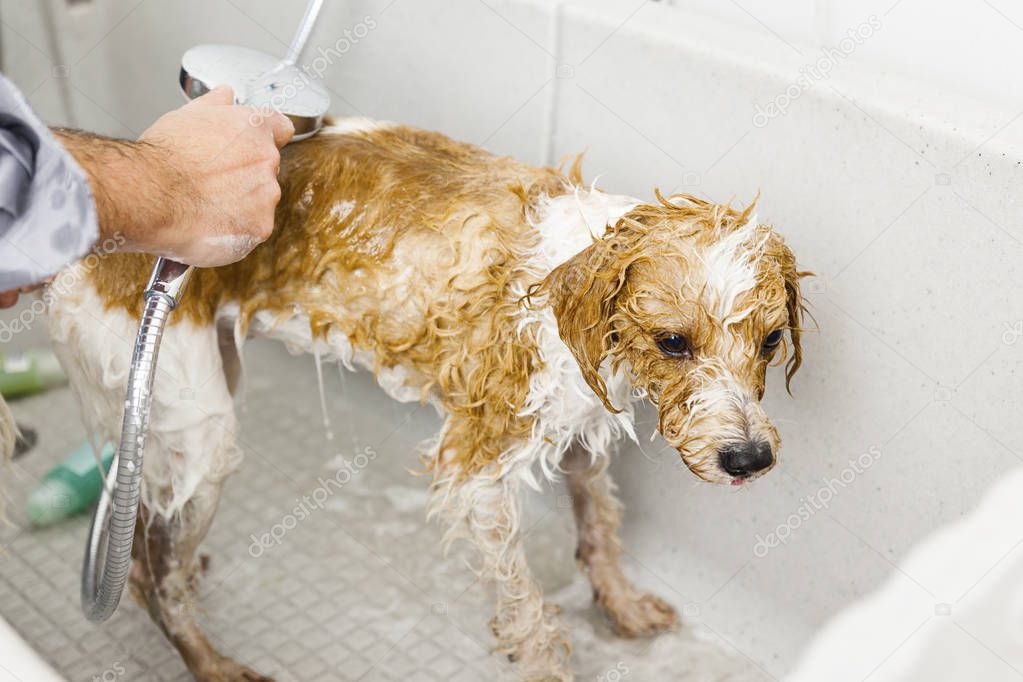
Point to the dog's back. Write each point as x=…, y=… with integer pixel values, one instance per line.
x=401, y=248
x=392, y=212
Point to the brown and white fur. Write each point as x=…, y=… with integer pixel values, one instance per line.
x=530, y=309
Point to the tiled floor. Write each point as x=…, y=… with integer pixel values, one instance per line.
x=358, y=590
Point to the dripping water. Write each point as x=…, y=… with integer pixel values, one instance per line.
x=323, y=394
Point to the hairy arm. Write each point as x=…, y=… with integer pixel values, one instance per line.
x=134, y=186
x=199, y=186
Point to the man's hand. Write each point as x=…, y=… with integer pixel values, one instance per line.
x=200, y=186
x=9, y=298
x=225, y=158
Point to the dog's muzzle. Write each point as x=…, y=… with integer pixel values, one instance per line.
x=742, y=460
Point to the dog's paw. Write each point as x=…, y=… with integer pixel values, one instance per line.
x=227, y=670
x=551, y=670
x=540, y=654
x=642, y=616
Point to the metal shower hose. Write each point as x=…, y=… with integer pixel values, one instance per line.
x=108, y=551
x=108, y=557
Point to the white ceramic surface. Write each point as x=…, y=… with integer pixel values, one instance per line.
x=20, y=663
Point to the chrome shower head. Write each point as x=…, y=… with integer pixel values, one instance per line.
x=258, y=80
x=262, y=81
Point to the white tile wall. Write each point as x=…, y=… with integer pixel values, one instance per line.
x=966, y=47
x=443, y=66
x=29, y=57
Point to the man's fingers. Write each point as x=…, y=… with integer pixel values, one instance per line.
x=281, y=127
x=8, y=299
x=220, y=95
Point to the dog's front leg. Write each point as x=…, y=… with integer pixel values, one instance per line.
x=164, y=577
x=598, y=515
x=527, y=629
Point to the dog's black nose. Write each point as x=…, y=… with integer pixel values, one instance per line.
x=745, y=459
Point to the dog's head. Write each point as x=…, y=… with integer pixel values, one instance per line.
x=694, y=300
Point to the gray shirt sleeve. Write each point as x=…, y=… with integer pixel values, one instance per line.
x=47, y=213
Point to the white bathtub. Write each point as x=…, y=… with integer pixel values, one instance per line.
x=898, y=188
x=20, y=662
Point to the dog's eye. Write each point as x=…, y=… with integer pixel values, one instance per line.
x=674, y=345
x=772, y=340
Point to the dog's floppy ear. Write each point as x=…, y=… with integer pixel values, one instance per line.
x=582, y=293
x=796, y=309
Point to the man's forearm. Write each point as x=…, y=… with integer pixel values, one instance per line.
x=199, y=186
x=135, y=190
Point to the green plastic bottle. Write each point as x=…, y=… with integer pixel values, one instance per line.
x=29, y=372
x=69, y=489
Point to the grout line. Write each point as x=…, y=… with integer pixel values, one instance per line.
x=823, y=21
x=55, y=42
x=555, y=26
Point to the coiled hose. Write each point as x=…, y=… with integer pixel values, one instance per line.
x=108, y=551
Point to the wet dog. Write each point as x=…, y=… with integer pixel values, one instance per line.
x=531, y=309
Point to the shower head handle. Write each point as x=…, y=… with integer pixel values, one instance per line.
x=168, y=281
x=305, y=29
